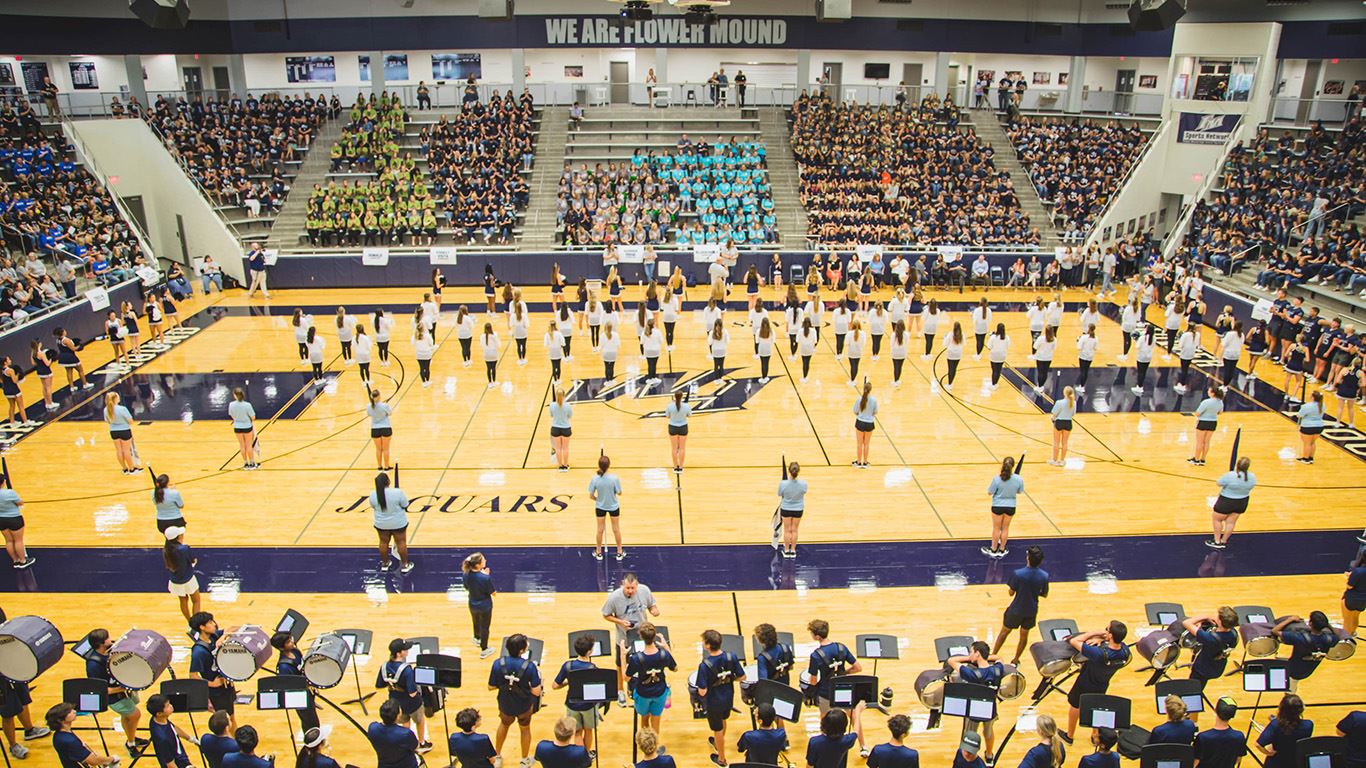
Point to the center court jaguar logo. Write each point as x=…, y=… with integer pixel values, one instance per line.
x=706, y=392
x=461, y=502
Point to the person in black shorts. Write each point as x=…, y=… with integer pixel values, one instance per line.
x=1102, y=660
x=1354, y=597
x=1215, y=641
x=222, y=694
x=1026, y=585
x=716, y=678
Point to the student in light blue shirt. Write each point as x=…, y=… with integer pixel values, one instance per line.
x=791, y=507
x=865, y=418
x=381, y=431
x=1310, y=417
x=1064, y=409
x=242, y=415
x=12, y=525
x=1206, y=421
x=678, y=412
x=604, y=489
x=560, y=414
x=390, y=506
x=169, y=505
x=1003, y=489
x=1235, y=488
x=121, y=432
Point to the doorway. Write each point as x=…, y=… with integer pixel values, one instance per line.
x=620, y=73
x=833, y=72
x=221, y=84
x=951, y=86
x=912, y=76
x=194, y=81
x=1124, y=90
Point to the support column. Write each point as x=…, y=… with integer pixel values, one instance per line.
x=941, y=74
x=376, y=72
x=662, y=65
x=803, y=70
x=518, y=71
x=137, y=88
x=237, y=75
x=1076, y=76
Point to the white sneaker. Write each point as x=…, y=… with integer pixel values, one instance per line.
x=948, y=387
x=1252, y=377
x=976, y=357
x=487, y=652
x=875, y=358
x=497, y=761
x=426, y=384
x=1136, y=390
x=924, y=357
x=1121, y=358
x=896, y=384
x=19, y=751
x=492, y=384
x=764, y=380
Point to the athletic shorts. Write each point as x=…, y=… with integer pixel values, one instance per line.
x=584, y=719
x=863, y=426
x=184, y=590
x=1226, y=506
x=650, y=705
x=15, y=523
x=223, y=698
x=1062, y=425
x=561, y=432
x=1354, y=603
x=1206, y=426
x=393, y=531
x=795, y=514
x=1310, y=430
x=1008, y=511
x=716, y=717
x=243, y=430
x=1013, y=620
x=523, y=718
x=126, y=705
x=382, y=432
x=162, y=525
x=600, y=512
x=15, y=699
x=678, y=431
x=121, y=434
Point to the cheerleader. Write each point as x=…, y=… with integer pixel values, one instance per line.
x=424, y=347
x=152, y=311
x=677, y=412
x=1186, y=347
x=1294, y=358
x=42, y=359
x=791, y=507
x=605, y=491
x=1035, y=314
x=464, y=333
x=1310, y=417
x=757, y=315
x=652, y=301
x=896, y=346
x=1044, y=347
x=564, y=320
x=1064, y=410
x=815, y=312
x=678, y=283
x=764, y=343
x=592, y=311
x=9, y=381
x=953, y=352
x=877, y=327
x=1171, y=323
x=865, y=415
x=792, y=319
x=560, y=431
x=114, y=331
x=364, y=346
x=12, y=525
x=1089, y=315
x=121, y=433
x=998, y=346
x=1053, y=314
x=169, y=309
x=915, y=309
x=1195, y=314
x=775, y=272
x=1230, y=349
x=1004, y=489
x=314, y=344
x=1347, y=388
x=438, y=283
x=897, y=307
x=806, y=345
x=671, y=310
x=642, y=319
x=130, y=325
x=346, y=334
x=608, y=348
x=930, y=319
x=981, y=323
x=855, y=351
x=614, y=289
x=1143, y=357
x=1235, y=488
x=813, y=279
x=712, y=314
x=1129, y=318
x=1224, y=323
x=1087, y=344
x=717, y=342
x=490, y=288
x=489, y=342
x=556, y=287
x=300, y=323
x=839, y=323
x=390, y=507
x=752, y=283
x=243, y=418
x=1206, y=422
x=519, y=325
x=1256, y=343
x=70, y=361
x=554, y=346
x=384, y=328
x=431, y=313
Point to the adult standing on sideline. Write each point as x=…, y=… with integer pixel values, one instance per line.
x=626, y=607
x=1027, y=586
x=791, y=507
x=256, y=265
x=480, y=591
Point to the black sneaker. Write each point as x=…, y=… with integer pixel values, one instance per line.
x=988, y=551
x=716, y=759
x=1212, y=544
x=26, y=562
x=1065, y=738
x=425, y=746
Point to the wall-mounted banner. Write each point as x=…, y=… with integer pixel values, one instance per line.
x=866, y=252
x=631, y=254
x=98, y=298
x=705, y=253
x=443, y=255
x=375, y=257
x=665, y=30
x=272, y=256
x=946, y=251
x=1196, y=128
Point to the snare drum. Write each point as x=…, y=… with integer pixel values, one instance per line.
x=1053, y=657
x=1184, y=637
x=1258, y=640
x=699, y=705
x=1012, y=683
x=1161, y=648
x=748, y=682
x=242, y=652
x=138, y=659
x=29, y=646
x=929, y=687
x=324, y=665
x=1345, y=648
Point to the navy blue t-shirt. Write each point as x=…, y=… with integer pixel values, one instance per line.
x=718, y=674
x=775, y=663
x=826, y=660
x=214, y=747
x=648, y=669
x=1211, y=660
x=1040, y=756
x=1354, y=726
x=659, y=761
x=1220, y=748
x=183, y=559
x=762, y=745
x=893, y=756
x=1356, y=584
x=962, y=762
x=514, y=679
x=1179, y=732
x=239, y=760
x=825, y=752
x=201, y=660
x=473, y=750
x=395, y=746
x=573, y=665
x=404, y=688
x=166, y=744
x=1029, y=584
x=479, y=587
x=70, y=750
x=1304, y=645
x=1283, y=740
x=1100, y=760
x=552, y=755
x=290, y=663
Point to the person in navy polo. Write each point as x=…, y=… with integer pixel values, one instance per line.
x=1027, y=585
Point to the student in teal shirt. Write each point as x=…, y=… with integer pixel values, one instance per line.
x=390, y=506
x=1064, y=408
x=1004, y=488
x=604, y=489
x=678, y=412
x=170, y=506
x=560, y=431
x=791, y=507
x=1310, y=417
x=12, y=525
x=242, y=415
x=1235, y=488
x=1206, y=422
x=865, y=418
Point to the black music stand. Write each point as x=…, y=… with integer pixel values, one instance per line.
x=952, y=645
x=1266, y=676
x=736, y=645
x=438, y=670
x=633, y=642
x=1057, y=630
x=602, y=642
x=284, y=692
x=535, y=649
x=1190, y=692
x=784, y=638
x=1321, y=752
x=359, y=641
x=787, y=701
x=1163, y=614
x=425, y=645
x=188, y=695
x=1166, y=756
x=594, y=686
x=294, y=623
x=90, y=696
x=847, y=691
x=1099, y=710
x=877, y=647
x=970, y=701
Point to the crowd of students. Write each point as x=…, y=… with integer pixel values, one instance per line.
x=874, y=174
x=1075, y=165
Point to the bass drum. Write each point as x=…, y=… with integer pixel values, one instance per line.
x=1258, y=640
x=29, y=646
x=325, y=663
x=1161, y=648
x=138, y=659
x=1185, y=638
x=242, y=652
x=929, y=687
x=1053, y=657
x=1012, y=683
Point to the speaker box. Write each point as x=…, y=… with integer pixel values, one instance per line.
x=833, y=10
x=495, y=9
x=161, y=14
x=1155, y=15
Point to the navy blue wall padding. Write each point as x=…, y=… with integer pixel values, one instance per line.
x=80, y=323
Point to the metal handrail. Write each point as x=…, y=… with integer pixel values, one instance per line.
x=1177, y=237
x=1326, y=213
x=1092, y=236
x=88, y=159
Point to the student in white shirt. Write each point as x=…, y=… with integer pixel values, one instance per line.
x=424, y=347
x=1087, y=344
x=717, y=342
x=806, y=346
x=519, y=325
x=855, y=349
x=346, y=333
x=363, y=345
x=464, y=331
x=998, y=346
x=554, y=346
x=1044, y=347
x=488, y=340
x=608, y=345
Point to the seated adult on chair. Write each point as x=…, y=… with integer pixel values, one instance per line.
x=981, y=271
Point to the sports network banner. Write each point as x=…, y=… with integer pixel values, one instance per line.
x=1196, y=128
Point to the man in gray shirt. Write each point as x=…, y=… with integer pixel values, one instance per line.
x=626, y=607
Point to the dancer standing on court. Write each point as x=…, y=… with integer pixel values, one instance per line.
x=315, y=344
x=609, y=345
x=998, y=347
x=1143, y=357
x=953, y=352
x=1206, y=422
x=390, y=506
x=491, y=346
x=384, y=327
x=839, y=322
x=43, y=358
x=806, y=345
x=519, y=325
x=490, y=288
x=930, y=319
x=1044, y=347
x=1235, y=488
x=1310, y=417
x=9, y=382
x=1186, y=347
x=243, y=427
x=346, y=333
x=764, y=347
x=169, y=505
x=116, y=333
x=792, y=320
x=865, y=418
x=1064, y=410
x=381, y=431
x=791, y=507
x=717, y=342
x=854, y=351
x=896, y=347
x=605, y=491
x=424, y=347
x=1129, y=319
x=70, y=361
x=560, y=430
x=121, y=433
x=129, y=316
x=757, y=315
x=677, y=412
x=12, y=525
x=1230, y=349
x=364, y=347
x=464, y=333
x=981, y=325
x=1004, y=489
x=651, y=345
x=554, y=347
x=1087, y=344
x=152, y=310
x=877, y=327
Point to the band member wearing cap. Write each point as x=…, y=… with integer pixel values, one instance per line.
x=1215, y=643
x=562, y=752
x=1307, y=648
x=716, y=677
x=166, y=735
x=966, y=756
x=980, y=667
x=626, y=607
x=828, y=661
x=584, y=714
x=1102, y=661
x=398, y=677
x=1285, y=730
x=291, y=662
x=216, y=743
x=395, y=745
x=1026, y=586
x=71, y=751
x=122, y=701
x=646, y=670
x=313, y=752
x=776, y=660
x=765, y=743
x=222, y=695
x=180, y=561
x=518, y=684
x=1221, y=746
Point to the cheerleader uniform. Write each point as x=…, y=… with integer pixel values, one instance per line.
x=1349, y=386
x=752, y=284
x=953, y=354
x=673, y=306
x=153, y=312
x=652, y=304
x=1086, y=354
x=877, y=328
x=438, y=283
x=130, y=326
x=66, y=354
x=897, y=349
x=1294, y=365
x=614, y=290
x=916, y=306
x=1256, y=342
x=10, y=385
x=1194, y=317
x=42, y=363
x=114, y=330
x=168, y=308
x=489, y=286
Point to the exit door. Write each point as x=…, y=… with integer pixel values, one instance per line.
x=620, y=73
x=222, y=86
x=911, y=75
x=194, y=80
x=1124, y=90
x=833, y=72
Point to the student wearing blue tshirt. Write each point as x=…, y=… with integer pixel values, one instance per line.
x=1307, y=647
x=1177, y=729
x=170, y=506
x=390, y=506
x=563, y=752
x=1104, y=740
x=865, y=418
x=1221, y=746
x=518, y=684
x=765, y=743
x=1354, y=597
x=830, y=747
x=828, y=661
x=480, y=591
x=1280, y=736
x=122, y=701
x=245, y=756
x=716, y=678
x=217, y=743
x=1206, y=421
x=605, y=491
x=1102, y=660
x=980, y=667
x=395, y=745
x=791, y=507
x=398, y=677
x=895, y=753
x=775, y=660
x=471, y=749
x=677, y=412
x=646, y=671
x=1353, y=728
x=291, y=662
x=1235, y=488
x=966, y=756
x=1049, y=751
x=71, y=751
x=1004, y=487
x=166, y=735
x=313, y=749
x=1214, y=643
x=222, y=694
x=651, y=754
x=1064, y=410
x=1310, y=417
x=584, y=715
x=1026, y=586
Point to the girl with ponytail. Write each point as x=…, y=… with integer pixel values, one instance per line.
x=1064, y=409
x=678, y=412
x=479, y=587
x=1004, y=489
x=121, y=432
x=1048, y=752
x=865, y=415
x=605, y=490
x=390, y=506
x=170, y=507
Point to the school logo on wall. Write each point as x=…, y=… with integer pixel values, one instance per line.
x=706, y=392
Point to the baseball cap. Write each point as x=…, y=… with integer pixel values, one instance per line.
x=174, y=532
x=971, y=743
x=315, y=736
x=399, y=644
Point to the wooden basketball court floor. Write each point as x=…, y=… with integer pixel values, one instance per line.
x=890, y=549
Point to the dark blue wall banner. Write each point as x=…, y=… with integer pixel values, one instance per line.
x=1197, y=128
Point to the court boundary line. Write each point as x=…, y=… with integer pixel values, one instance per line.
x=794, y=381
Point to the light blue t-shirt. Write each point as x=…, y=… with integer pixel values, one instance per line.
x=1232, y=485
x=170, y=506
x=241, y=413
x=1311, y=415
x=1209, y=409
x=793, y=494
x=868, y=412
x=379, y=415
x=606, y=486
x=1003, y=492
x=122, y=419
x=678, y=415
x=1062, y=410
x=559, y=415
x=9, y=503
x=394, y=516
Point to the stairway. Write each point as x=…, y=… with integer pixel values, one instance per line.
x=289, y=227
x=989, y=130
x=783, y=177
x=538, y=228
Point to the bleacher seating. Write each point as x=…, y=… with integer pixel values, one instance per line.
x=1076, y=165
x=877, y=174
x=476, y=161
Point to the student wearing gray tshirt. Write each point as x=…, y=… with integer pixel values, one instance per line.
x=244, y=428
x=1235, y=488
x=1003, y=489
x=605, y=491
x=791, y=507
x=678, y=412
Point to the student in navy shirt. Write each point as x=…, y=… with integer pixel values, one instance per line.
x=1215, y=643
x=828, y=661
x=222, y=695
x=562, y=752
x=1354, y=597
x=584, y=715
x=1177, y=729
x=71, y=751
x=398, y=677
x=1353, y=728
x=895, y=754
x=122, y=701
x=479, y=587
x=716, y=678
x=830, y=747
x=776, y=660
x=1026, y=586
x=1048, y=752
x=648, y=743
x=1101, y=663
x=313, y=751
x=395, y=745
x=1307, y=648
x=217, y=743
x=166, y=735
x=473, y=750
x=1221, y=746
x=966, y=754
x=646, y=670
x=980, y=667
x=1280, y=736
x=518, y=684
x=291, y=662
x=245, y=757
x=1104, y=740
x=764, y=744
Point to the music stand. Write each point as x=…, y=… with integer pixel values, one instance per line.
x=1163, y=614
x=1057, y=630
x=952, y=645
x=1254, y=614
x=1099, y=710
x=594, y=686
x=1266, y=676
x=1321, y=752
x=784, y=638
x=359, y=641
x=970, y=701
x=876, y=647
x=294, y=623
x=284, y=692
x=1166, y=756
x=425, y=645
x=736, y=645
x=188, y=695
x=847, y=691
x=786, y=700
x=535, y=649
x=1190, y=692
x=438, y=670
x=90, y=696
x=633, y=642
x=602, y=642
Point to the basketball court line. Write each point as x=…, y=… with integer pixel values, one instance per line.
x=793, y=381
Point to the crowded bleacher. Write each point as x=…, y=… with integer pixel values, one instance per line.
x=1076, y=165
x=874, y=174
x=476, y=162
